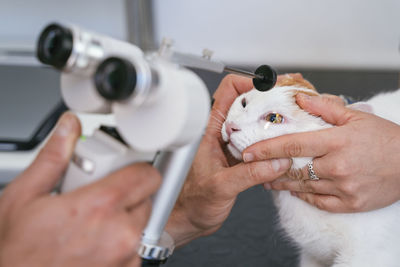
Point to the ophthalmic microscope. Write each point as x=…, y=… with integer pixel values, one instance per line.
x=160, y=108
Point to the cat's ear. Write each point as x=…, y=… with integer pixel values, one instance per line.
x=362, y=106
x=294, y=79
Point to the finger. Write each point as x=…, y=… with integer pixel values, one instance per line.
x=136, y=261
x=140, y=214
x=231, y=181
x=122, y=189
x=323, y=202
x=307, y=144
x=322, y=186
x=327, y=108
x=48, y=167
x=320, y=167
x=335, y=99
x=230, y=87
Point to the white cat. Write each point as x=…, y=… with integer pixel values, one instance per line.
x=325, y=239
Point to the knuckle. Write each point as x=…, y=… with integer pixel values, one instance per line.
x=292, y=149
x=310, y=187
x=107, y=197
x=253, y=172
x=340, y=169
x=329, y=100
x=228, y=79
x=319, y=204
x=144, y=173
x=264, y=154
x=128, y=240
x=145, y=211
x=302, y=186
x=349, y=188
x=356, y=204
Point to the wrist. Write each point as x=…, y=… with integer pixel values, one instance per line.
x=181, y=229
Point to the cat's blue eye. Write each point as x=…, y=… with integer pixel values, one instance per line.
x=274, y=118
x=244, y=102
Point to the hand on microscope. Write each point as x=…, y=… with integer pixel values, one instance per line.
x=97, y=225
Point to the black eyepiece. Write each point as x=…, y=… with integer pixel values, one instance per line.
x=55, y=45
x=115, y=78
x=269, y=78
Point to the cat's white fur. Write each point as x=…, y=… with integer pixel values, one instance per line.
x=325, y=239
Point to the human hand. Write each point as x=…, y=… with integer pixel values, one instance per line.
x=212, y=185
x=357, y=161
x=96, y=225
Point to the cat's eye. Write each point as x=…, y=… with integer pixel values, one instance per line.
x=274, y=118
x=244, y=102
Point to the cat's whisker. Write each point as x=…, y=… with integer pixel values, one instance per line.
x=215, y=118
x=216, y=122
x=215, y=125
x=215, y=128
x=220, y=113
x=219, y=129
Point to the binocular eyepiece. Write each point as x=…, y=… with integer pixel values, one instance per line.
x=55, y=45
x=83, y=53
x=115, y=78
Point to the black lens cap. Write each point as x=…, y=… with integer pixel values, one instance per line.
x=269, y=78
x=55, y=45
x=115, y=79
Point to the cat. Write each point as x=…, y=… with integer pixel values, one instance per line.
x=325, y=239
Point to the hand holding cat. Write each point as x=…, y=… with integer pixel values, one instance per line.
x=212, y=186
x=96, y=225
x=358, y=162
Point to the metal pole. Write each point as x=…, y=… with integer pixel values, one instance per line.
x=140, y=23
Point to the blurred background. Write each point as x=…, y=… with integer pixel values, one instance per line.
x=343, y=47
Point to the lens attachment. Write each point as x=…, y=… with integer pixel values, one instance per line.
x=55, y=45
x=115, y=79
x=269, y=78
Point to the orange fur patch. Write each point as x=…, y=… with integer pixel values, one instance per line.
x=294, y=79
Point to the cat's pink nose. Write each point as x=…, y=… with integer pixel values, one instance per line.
x=231, y=127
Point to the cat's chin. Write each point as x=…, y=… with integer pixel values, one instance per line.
x=235, y=152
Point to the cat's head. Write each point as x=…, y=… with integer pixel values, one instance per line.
x=256, y=116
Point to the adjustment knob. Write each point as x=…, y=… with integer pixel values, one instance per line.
x=269, y=78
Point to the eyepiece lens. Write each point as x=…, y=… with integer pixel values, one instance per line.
x=115, y=79
x=52, y=43
x=55, y=45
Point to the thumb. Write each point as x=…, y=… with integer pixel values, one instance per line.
x=324, y=107
x=245, y=175
x=48, y=167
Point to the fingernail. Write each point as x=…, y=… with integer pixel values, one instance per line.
x=280, y=164
x=267, y=186
x=65, y=125
x=293, y=194
x=248, y=157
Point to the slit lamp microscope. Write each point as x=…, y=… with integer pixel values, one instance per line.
x=160, y=107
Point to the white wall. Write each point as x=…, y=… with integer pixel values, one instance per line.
x=21, y=21
x=307, y=33
x=294, y=33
